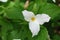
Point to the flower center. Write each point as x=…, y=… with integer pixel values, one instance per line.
x=33, y=18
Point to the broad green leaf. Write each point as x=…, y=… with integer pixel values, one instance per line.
x=43, y=34
x=5, y=28
x=35, y=5
x=14, y=10
x=22, y=32
x=56, y=37
x=1, y=9
x=52, y=10
x=14, y=13
x=50, y=1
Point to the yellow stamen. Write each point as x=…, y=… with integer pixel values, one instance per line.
x=33, y=18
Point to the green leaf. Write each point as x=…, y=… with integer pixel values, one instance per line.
x=52, y=10
x=22, y=32
x=14, y=13
x=56, y=37
x=1, y=8
x=5, y=27
x=43, y=34
x=35, y=5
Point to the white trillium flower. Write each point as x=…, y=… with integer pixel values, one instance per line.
x=54, y=1
x=3, y=0
x=35, y=20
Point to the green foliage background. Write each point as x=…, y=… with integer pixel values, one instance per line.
x=13, y=25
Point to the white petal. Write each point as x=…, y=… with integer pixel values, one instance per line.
x=27, y=15
x=34, y=28
x=54, y=0
x=42, y=18
x=3, y=0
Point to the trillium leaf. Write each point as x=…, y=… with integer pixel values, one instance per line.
x=18, y=33
x=43, y=34
x=1, y=9
x=5, y=27
x=14, y=11
x=56, y=37
x=52, y=10
x=35, y=5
